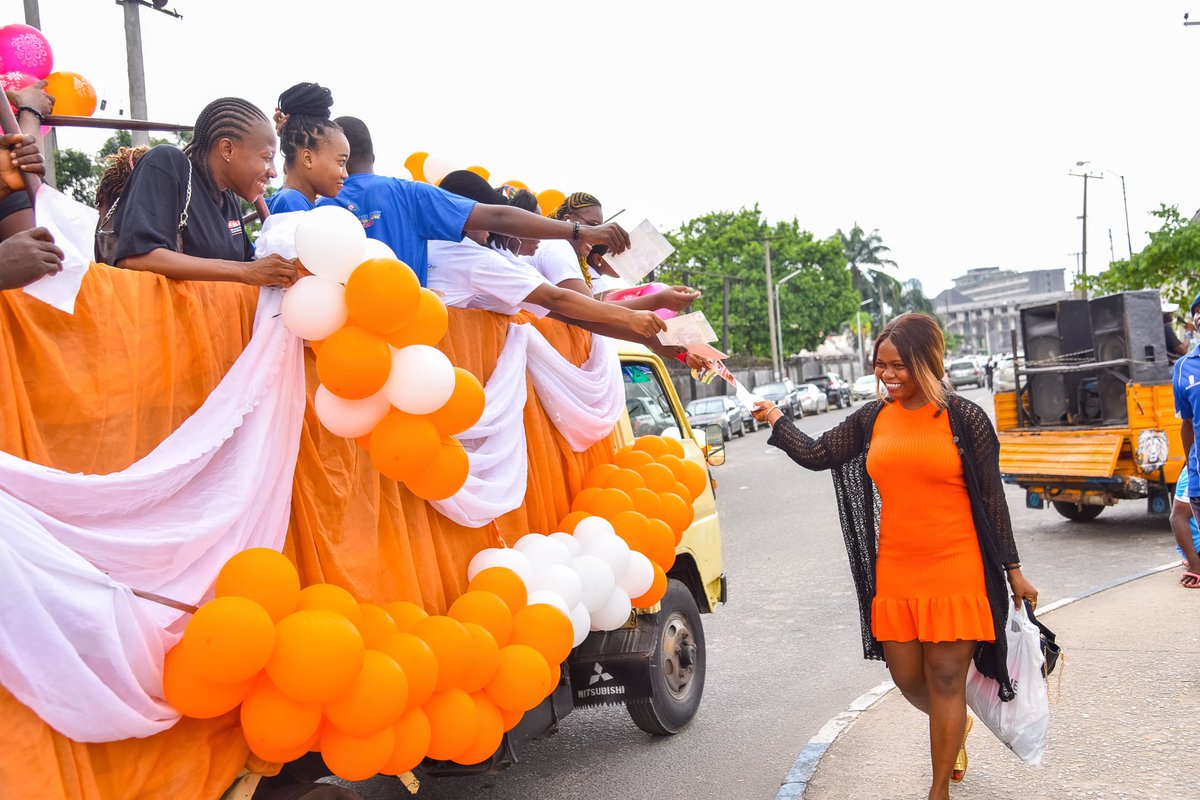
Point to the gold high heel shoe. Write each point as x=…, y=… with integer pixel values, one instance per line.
x=960, y=763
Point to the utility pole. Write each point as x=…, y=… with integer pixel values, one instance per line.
x=725, y=314
x=33, y=18
x=136, y=65
x=770, y=308
x=1125, y=200
x=1083, y=249
x=1112, y=254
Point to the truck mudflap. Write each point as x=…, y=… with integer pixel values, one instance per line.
x=614, y=667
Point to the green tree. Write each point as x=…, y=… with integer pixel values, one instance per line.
x=76, y=174
x=867, y=258
x=1170, y=263
x=913, y=298
x=814, y=304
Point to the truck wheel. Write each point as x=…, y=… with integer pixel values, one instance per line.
x=1076, y=512
x=677, y=672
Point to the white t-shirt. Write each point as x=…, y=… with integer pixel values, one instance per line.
x=555, y=259
x=470, y=275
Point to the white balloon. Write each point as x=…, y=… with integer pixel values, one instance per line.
x=500, y=557
x=570, y=542
x=612, y=550
x=436, y=168
x=543, y=551
x=421, y=380
x=581, y=621
x=672, y=433
x=592, y=527
x=559, y=579
x=377, y=249
x=330, y=241
x=313, y=308
x=540, y=598
x=596, y=578
x=614, y=612
x=639, y=576
x=349, y=418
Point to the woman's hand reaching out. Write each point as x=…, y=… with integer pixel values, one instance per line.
x=762, y=412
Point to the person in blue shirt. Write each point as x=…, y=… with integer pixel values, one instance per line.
x=1186, y=382
x=315, y=150
x=407, y=215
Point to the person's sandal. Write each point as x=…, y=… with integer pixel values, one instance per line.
x=1190, y=580
x=960, y=763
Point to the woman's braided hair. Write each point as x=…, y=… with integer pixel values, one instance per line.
x=228, y=117
x=118, y=167
x=302, y=119
x=578, y=202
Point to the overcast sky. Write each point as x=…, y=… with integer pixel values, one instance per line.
x=949, y=126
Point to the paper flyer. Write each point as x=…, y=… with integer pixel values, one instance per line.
x=688, y=329
x=647, y=249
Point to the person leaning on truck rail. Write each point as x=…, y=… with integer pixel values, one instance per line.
x=932, y=593
x=1185, y=382
x=26, y=254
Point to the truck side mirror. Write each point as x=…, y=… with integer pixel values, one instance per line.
x=714, y=450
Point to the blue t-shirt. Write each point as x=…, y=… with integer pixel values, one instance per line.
x=286, y=200
x=404, y=215
x=1186, y=383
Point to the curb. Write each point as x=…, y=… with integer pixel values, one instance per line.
x=798, y=777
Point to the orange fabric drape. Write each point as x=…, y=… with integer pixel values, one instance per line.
x=96, y=391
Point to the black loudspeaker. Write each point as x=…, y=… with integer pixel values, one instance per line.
x=1128, y=328
x=1055, y=334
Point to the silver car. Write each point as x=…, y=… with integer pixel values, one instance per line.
x=812, y=398
x=864, y=388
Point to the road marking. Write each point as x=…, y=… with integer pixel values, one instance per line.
x=805, y=765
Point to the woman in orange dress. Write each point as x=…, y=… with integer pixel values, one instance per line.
x=932, y=592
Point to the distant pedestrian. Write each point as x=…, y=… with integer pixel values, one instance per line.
x=990, y=369
x=930, y=568
x=1175, y=348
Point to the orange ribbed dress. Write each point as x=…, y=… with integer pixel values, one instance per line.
x=929, y=582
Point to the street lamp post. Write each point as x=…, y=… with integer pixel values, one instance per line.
x=858, y=323
x=1086, y=175
x=779, y=312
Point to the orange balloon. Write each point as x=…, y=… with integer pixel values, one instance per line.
x=287, y=754
x=463, y=409
x=419, y=663
x=481, y=172
x=660, y=544
x=73, y=95
x=646, y=502
x=451, y=643
x=516, y=185
x=356, y=758
x=571, y=520
x=626, y=480
x=658, y=478
x=426, y=325
x=331, y=597
x=676, y=465
x=654, y=445
x=375, y=701
x=674, y=447
x=583, y=501
x=402, y=445
x=318, y=655
x=415, y=164
x=633, y=527
x=273, y=721
x=412, y=743
x=505, y=584
x=628, y=458
x=677, y=512
x=696, y=478
x=682, y=491
x=353, y=363
x=656, y=591
x=382, y=294
x=193, y=696
x=599, y=476
x=229, y=639
x=483, y=660
x=610, y=502
x=486, y=609
x=545, y=629
x=453, y=721
x=488, y=733
x=375, y=624
x=511, y=718
x=445, y=476
x=520, y=681
x=549, y=200
x=264, y=576
x=405, y=614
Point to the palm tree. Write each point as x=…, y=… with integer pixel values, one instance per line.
x=914, y=299
x=866, y=258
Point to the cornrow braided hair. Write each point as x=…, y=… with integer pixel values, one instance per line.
x=576, y=202
x=226, y=118
x=118, y=168
x=303, y=120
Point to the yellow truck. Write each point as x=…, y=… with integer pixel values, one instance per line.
x=1092, y=418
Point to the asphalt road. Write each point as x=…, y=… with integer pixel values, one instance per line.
x=784, y=653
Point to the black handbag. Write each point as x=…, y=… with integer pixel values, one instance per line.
x=1050, y=649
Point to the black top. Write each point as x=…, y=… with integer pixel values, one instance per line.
x=1172, y=341
x=17, y=201
x=843, y=451
x=147, y=215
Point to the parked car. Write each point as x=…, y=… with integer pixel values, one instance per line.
x=1004, y=379
x=647, y=417
x=964, y=372
x=723, y=411
x=863, y=388
x=812, y=399
x=836, y=390
x=783, y=394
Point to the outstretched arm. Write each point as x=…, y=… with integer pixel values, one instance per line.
x=833, y=448
x=513, y=221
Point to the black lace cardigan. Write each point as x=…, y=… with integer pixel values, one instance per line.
x=843, y=451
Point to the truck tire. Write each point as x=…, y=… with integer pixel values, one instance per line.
x=677, y=672
x=1076, y=512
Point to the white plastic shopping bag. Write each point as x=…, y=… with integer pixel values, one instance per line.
x=1023, y=722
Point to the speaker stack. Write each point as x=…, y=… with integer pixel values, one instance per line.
x=1128, y=328
x=1056, y=333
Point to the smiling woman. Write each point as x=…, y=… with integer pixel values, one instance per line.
x=179, y=214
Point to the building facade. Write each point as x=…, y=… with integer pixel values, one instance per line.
x=983, y=307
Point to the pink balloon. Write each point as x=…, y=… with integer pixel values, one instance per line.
x=12, y=81
x=642, y=291
x=25, y=49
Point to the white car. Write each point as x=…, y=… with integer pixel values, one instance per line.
x=812, y=399
x=1003, y=379
x=863, y=388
